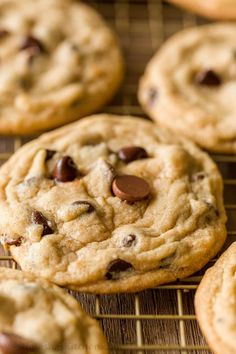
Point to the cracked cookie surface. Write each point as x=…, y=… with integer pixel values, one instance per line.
x=37, y=317
x=215, y=303
x=189, y=86
x=59, y=62
x=111, y=204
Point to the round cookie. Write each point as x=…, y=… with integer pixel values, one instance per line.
x=215, y=9
x=38, y=317
x=59, y=62
x=111, y=204
x=215, y=304
x=189, y=86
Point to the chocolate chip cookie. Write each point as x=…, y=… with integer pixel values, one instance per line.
x=38, y=317
x=189, y=86
x=111, y=204
x=215, y=9
x=215, y=304
x=59, y=61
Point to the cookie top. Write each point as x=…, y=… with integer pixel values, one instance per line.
x=38, y=317
x=111, y=204
x=189, y=86
x=59, y=62
x=215, y=9
x=215, y=304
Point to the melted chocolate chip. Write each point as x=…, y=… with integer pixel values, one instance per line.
x=11, y=343
x=50, y=154
x=130, y=188
x=33, y=44
x=129, y=240
x=84, y=202
x=25, y=83
x=207, y=78
x=39, y=219
x=3, y=33
x=117, y=266
x=14, y=241
x=131, y=153
x=65, y=170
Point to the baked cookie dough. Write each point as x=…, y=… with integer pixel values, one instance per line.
x=38, y=317
x=59, y=62
x=111, y=204
x=190, y=84
x=215, y=9
x=215, y=304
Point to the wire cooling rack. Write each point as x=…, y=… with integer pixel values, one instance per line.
x=158, y=320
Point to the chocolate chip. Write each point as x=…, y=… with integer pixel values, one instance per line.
x=50, y=154
x=152, y=95
x=208, y=78
x=33, y=44
x=25, y=83
x=131, y=153
x=130, y=188
x=14, y=241
x=3, y=33
x=65, y=170
x=117, y=266
x=90, y=207
x=128, y=241
x=11, y=343
x=39, y=219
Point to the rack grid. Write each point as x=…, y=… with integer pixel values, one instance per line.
x=160, y=320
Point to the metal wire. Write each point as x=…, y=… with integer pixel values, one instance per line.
x=143, y=26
